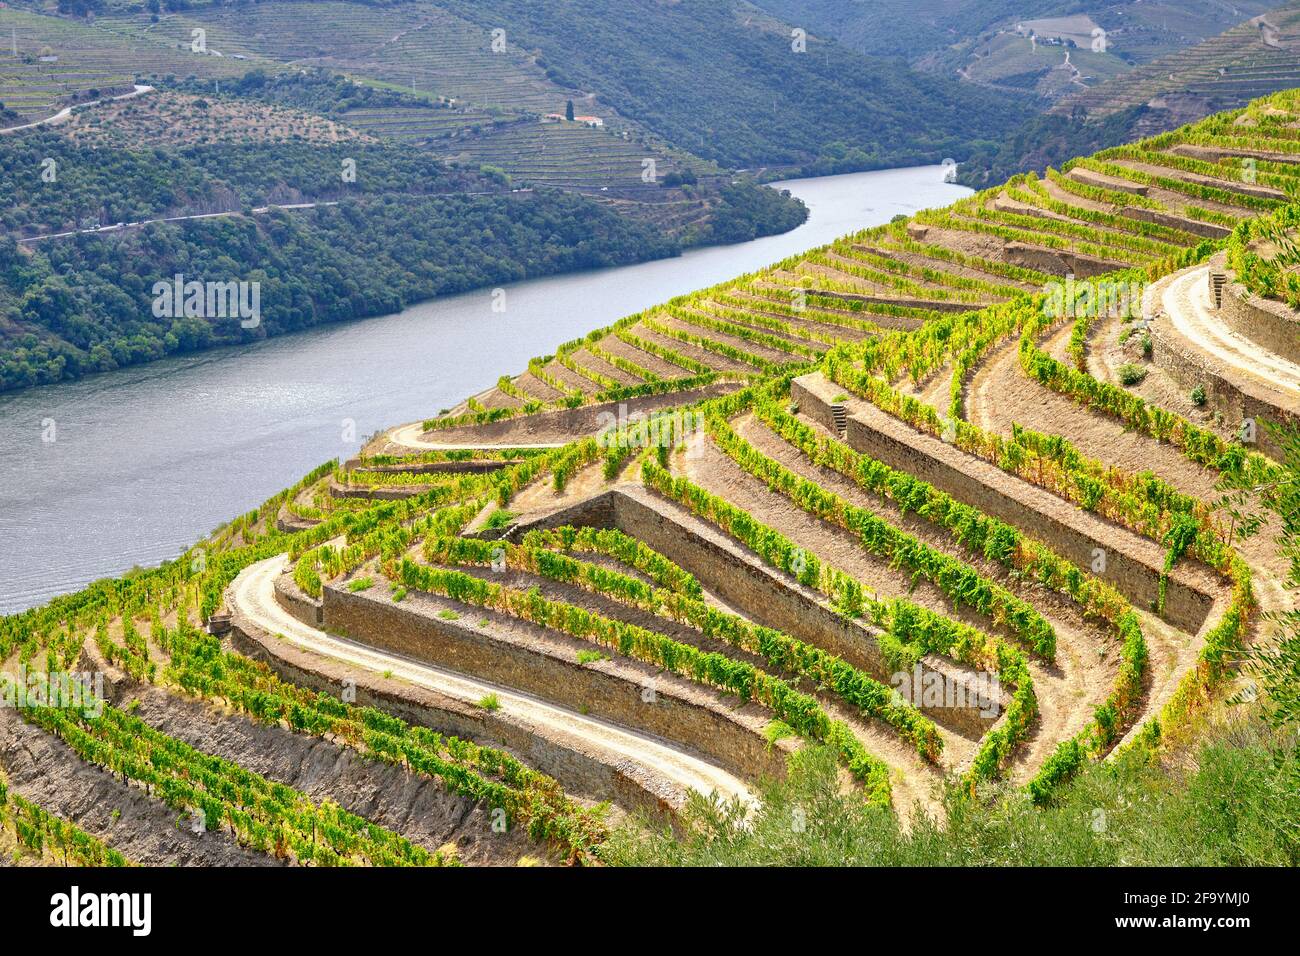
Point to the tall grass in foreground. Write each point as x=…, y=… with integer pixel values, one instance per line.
x=1235, y=803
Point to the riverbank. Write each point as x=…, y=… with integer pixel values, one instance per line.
x=155, y=457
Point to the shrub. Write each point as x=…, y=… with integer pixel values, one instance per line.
x=1131, y=374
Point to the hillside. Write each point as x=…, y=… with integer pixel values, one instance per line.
x=1253, y=58
x=916, y=529
x=115, y=162
x=721, y=79
x=708, y=77
x=975, y=37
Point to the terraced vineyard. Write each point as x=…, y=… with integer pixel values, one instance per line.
x=1255, y=58
x=485, y=95
x=468, y=97
x=407, y=45
x=65, y=61
x=938, y=497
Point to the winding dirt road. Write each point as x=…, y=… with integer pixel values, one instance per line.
x=253, y=592
x=1186, y=301
x=411, y=437
x=139, y=90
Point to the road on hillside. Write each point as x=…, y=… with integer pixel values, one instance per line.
x=253, y=593
x=63, y=114
x=1186, y=300
x=412, y=436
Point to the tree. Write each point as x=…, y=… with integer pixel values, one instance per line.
x=1275, y=663
x=568, y=111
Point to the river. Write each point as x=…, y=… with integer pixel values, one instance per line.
x=132, y=467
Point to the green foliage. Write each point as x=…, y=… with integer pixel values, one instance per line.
x=266, y=816
x=962, y=583
x=1271, y=275
x=1236, y=806
x=749, y=101
x=86, y=305
x=738, y=677
x=1130, y=374
x=45, y=834
x=781, y=651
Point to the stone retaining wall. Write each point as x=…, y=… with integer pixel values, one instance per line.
x=701, y=719
x=1207, y=230
x=573, y=422
x=296, y=601
x=578, y=768
x=1132, y=563
x=1270, y=324
x=742, y=580
x=1229, y=394
x=288, y=522
x=381, y=493
x=473, y=466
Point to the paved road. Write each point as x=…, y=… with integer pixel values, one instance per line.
x=118, y=226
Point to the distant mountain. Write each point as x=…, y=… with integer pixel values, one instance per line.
x=1252, y=59
x=979, y=39
x=723, y=80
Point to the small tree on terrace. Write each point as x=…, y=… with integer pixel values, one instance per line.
x=1275, y=662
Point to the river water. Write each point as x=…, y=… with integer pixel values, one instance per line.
x=132, y=467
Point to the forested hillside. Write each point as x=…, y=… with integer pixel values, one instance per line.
x=719, y=78
x=723, y=81
x=396, y=195
x=85, y=304
x=1252, y=58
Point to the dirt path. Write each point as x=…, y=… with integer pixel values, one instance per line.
x=412, y=437
x=1186, y=303
x=1001, y=393
x=63, y=114
x=254, y=593
x=1067, y=690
